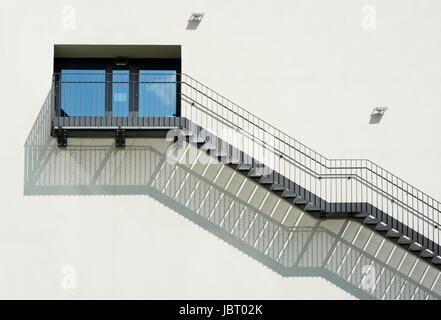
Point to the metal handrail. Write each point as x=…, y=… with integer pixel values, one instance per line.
x=321, y=175
x=372, y=179
x=414, y=209
x=314, y=159
x=318, y=154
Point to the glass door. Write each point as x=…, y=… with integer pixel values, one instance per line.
x=157, y=93
x=83, y=93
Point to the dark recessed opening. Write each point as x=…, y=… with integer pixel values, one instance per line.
x=105, y=81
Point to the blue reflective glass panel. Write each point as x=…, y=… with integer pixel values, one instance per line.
x=157, y=93
x=120, y=93
x=83, y=93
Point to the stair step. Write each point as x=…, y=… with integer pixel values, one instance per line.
x=299, y=201
x=288, y=194
x=392, y=233
x=219, y=153
x=371, y=220
x=416, y=247
x=254, y=174
x=196, y=139
x=187, y=133
x=361, y=215
x=243, y=167
x=277, y=187
x=266, y=180
x=436, y=260
x=426, y=253
x=208, y=146
x=231, y=160
x=404, y=240
x=382, y=227
x=312, y=208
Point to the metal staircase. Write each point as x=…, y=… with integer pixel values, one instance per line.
x=292, y=242
x=303, y=199
x=325, y=188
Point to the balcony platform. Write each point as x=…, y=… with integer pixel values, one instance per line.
x=107, y=126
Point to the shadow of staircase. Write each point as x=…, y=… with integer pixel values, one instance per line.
x=233, y=207
x=281, y=185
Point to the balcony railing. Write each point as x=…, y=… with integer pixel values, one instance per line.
x=87, y=100
x=176, y=100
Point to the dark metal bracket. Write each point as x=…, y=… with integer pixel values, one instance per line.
x=120, y=137
x=62, y=138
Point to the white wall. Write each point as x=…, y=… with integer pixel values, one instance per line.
x=307, y=67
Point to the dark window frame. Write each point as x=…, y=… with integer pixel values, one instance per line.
x=109, y=64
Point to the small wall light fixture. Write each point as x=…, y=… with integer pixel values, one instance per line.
x=196, y=16
x=377, y=114
x=379, y=110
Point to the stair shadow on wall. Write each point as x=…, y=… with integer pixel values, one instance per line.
x=261, y=225
x=311, y=248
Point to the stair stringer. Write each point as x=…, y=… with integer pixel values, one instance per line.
x=308, y=201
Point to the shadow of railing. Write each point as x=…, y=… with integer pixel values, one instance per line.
x=288, y=241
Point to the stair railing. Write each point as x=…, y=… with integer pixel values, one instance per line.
x=348, y=183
